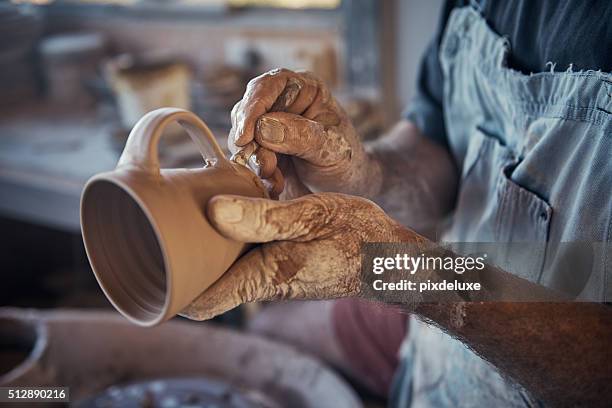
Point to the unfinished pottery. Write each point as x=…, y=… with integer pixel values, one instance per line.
x=93, y=351
x=145, y=230
x=23, y=343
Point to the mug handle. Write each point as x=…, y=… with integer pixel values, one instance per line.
x=141, y=147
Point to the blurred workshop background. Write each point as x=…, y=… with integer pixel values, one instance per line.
x=75, y=75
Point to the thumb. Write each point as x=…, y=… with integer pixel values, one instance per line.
x=260, y=220
x=295, y=135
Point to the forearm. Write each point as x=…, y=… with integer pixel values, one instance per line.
x=557, y=349
x=413, y=179
x=560, y=352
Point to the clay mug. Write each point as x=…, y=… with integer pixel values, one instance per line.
x=145, y=230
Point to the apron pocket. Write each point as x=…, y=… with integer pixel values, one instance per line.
x=523, y=216
x=522, y=221
x=493, y=208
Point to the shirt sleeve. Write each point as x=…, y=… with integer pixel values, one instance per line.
x=425, y=109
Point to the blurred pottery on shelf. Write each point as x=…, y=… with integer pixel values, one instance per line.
x=147, y=237
x=70, y=60
x=142, y=84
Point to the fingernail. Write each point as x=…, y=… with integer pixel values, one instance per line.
x=228, y=211
x=271, y=130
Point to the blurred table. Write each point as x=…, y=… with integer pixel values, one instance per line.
x=47, y=153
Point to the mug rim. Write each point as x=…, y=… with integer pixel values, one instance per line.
x=112, y=178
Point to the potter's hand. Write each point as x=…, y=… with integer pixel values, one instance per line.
x=311, y=248
x=293, y=113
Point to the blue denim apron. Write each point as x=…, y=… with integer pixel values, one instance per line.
x=536, y=159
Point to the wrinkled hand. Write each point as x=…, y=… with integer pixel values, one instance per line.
x=311, y=248
x=293, y=113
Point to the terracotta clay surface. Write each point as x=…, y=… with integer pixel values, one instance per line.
x=147, y=237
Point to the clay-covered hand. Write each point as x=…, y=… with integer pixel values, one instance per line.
x=293, y=113
x=310, y=248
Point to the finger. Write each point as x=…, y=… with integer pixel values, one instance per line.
x=324, y=108
x=231, y=139
x=294, y=135
x=263, y=162
x=275, y=184
x=244, y=282
x=256, y=276
x=267, y=266
x=299, y=93
x=241, y=155
x=314, y=92
x=294, y=187
x=234, y=112
x=214, y=301
x=260, y=220
x=288, y=96
x=260, y=95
